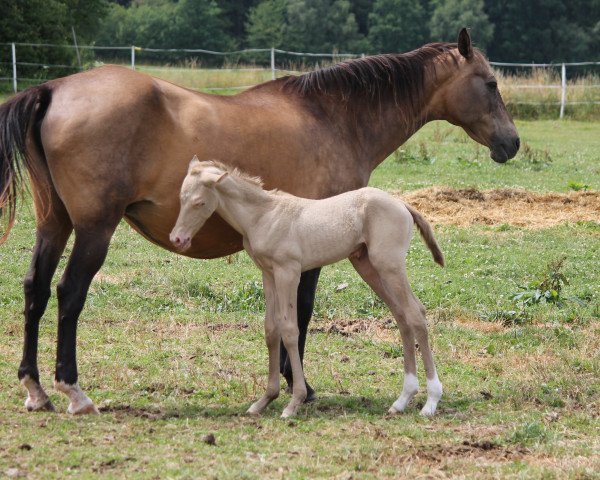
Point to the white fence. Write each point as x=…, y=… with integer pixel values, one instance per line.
x=130, y=54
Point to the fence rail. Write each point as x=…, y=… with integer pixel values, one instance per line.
x=134, y=51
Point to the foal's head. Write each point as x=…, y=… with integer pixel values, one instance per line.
x=199, y=200
x=470, y=99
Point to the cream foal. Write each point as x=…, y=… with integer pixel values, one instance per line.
x=286, y=235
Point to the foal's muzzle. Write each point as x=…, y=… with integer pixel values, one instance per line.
x=181, y=242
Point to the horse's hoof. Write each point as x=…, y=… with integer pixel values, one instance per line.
x=428, y=410
x=253, y=412
x=311, y=395
x=85, y=409
x=287, y=413
x=42, y=406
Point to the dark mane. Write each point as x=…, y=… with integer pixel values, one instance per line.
x=399, y=77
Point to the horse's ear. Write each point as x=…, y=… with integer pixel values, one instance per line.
x=210, y=179
x=194, y=162
x=464, y=44
x=222, y=177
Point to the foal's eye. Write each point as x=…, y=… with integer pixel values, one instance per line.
x=492, y=84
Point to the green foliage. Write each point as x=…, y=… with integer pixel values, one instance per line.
x=578, y=186
x=47, y=21
x=322, y=26
x=266, y=23
x=449, y=16
x=397, y=25
x=546, y=290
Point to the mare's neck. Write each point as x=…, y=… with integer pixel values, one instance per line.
x=379, y=126
x=241, y=204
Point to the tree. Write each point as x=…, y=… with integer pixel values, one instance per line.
x=323, y=26
x=199, y=24
x=397, y=25
x=544, y=30
x=48, y=21
x=449, y=16
x=266, y=24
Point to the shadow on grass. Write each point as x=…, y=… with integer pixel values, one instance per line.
x=326, y=406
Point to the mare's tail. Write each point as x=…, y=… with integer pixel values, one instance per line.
x=20, y=119
x=427, y=234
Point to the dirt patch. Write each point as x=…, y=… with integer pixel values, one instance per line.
x=510, y=206
x=383, y=329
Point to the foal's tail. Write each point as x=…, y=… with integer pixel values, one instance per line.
x=20, y=119
x=427, y=234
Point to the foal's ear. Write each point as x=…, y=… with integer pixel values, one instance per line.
x=464, y=44
x=193, y=163
x=210, y=179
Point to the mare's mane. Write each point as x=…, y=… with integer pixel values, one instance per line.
x=399, y=77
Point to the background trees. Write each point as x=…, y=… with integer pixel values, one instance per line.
x=508, y=30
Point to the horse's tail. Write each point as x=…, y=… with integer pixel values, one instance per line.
x=427, y=234
x=20, y=120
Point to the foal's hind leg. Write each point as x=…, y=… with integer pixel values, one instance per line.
x=89, y=252
x=408, y=309
x=411, y=384
x=54, y=228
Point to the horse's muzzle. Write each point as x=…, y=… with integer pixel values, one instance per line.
x=501, y=151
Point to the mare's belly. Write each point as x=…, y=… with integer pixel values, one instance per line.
x=215, y=239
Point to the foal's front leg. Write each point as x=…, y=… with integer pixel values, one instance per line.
x=272, y=337
x=287, y=278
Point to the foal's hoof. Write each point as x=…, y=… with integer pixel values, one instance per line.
x=85, y=409
x=39, y=406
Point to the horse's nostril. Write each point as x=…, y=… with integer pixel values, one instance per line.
x=517, y=143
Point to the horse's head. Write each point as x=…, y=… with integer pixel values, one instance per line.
x=470, y=99
x=199, y=199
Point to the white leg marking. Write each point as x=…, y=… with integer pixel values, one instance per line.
x=36, y=396
x=80, y=402
x=434, y=393
x=409, y=390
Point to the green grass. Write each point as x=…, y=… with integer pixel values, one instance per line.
x=172, y=349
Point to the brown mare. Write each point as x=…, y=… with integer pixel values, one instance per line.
x=111, y=143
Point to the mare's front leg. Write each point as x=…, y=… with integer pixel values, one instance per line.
x=287, y=278
x=53, y=231
x=305, y=304
x=272, y=337
x=89, y=252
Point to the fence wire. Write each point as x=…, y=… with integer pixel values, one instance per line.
x=260, y=62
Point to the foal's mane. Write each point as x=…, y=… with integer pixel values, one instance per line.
x=399, y=77
x=235, y=172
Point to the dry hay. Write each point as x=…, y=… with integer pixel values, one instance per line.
x=522, y=208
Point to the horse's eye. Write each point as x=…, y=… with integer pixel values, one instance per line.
x=492, y=85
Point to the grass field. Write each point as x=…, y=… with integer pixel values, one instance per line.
x=172, y=349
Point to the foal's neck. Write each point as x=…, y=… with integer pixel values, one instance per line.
x=242, y=204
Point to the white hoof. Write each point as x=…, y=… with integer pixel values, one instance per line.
x=429, y=409
x=37, y=399
x=80, y=403
x=39, y=405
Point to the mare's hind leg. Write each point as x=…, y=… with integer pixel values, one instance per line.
x=89, y=252
x=410, y=387
x=54, y=228
x=306, y=301
x=391, y=267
